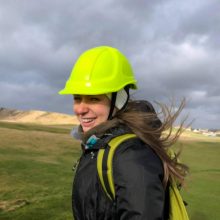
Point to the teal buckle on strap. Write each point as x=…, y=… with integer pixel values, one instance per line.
x=91, y=141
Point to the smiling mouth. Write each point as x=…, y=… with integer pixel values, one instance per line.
x=88, y=120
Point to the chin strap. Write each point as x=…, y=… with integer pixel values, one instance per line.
x=113, y=101
x=114, y=96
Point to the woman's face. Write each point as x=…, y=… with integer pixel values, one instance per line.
x=91, y=110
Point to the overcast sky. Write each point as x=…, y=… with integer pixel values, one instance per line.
x=172, y=45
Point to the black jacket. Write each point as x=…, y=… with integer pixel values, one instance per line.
x=138, y=175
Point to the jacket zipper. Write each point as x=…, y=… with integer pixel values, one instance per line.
x=74, y=167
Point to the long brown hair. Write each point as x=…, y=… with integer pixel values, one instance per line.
x=145, y=126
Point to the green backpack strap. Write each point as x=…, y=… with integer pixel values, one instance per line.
x=177, y=208
x=104, y=163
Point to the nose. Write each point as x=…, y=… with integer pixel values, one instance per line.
x=81, y=108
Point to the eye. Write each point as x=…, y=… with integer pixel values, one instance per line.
x=95, y=99
x=76, y=98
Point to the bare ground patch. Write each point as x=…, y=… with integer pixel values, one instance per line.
x=13, y=205
x=43, y=117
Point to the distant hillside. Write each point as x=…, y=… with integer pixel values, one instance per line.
x=40, y=117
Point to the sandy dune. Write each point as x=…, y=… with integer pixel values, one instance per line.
x=32, y=116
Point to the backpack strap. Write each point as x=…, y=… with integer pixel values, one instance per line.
x=177, y=209
x=104, y=163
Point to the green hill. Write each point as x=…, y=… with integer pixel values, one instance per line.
x=36, y=173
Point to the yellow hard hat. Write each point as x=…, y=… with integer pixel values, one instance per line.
x=100, y=70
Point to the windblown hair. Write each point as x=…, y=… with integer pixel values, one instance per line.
x=147, y=126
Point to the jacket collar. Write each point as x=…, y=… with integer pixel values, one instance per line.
x=115, y=129
x=90, y=142
x=98, y=130
x=74, y=133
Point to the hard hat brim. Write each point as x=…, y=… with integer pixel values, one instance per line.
x=93, y=88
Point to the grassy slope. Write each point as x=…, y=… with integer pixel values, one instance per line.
x=32, y=127
x=203, y=193
x=36, y=162
x=36, y=166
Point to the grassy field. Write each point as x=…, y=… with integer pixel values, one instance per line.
x=36, y=172
x=36, y=176
x=60, y=129
x=203, y=193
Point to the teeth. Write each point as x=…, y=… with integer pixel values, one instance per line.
x=87, y=120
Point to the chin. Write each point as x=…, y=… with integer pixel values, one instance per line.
x=85, y=129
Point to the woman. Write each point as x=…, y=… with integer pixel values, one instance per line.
x=100, y=83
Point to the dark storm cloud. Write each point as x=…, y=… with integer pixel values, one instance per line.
x=172, y=46
x=204, y=22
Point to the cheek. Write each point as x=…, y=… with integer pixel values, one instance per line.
x=75, y=108
x=103, y=111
